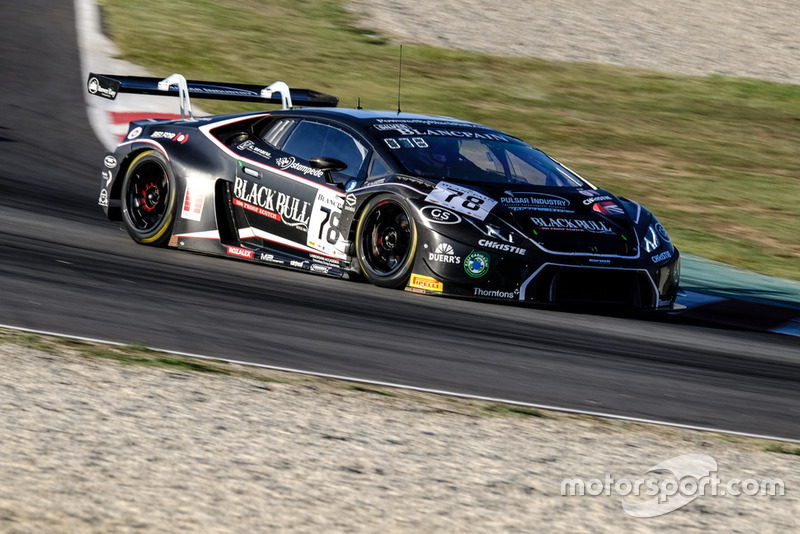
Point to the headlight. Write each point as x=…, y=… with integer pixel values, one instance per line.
x=650, y=240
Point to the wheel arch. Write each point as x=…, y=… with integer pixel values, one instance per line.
x=394, y=279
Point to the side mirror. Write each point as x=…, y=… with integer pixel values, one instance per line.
x=329, y=165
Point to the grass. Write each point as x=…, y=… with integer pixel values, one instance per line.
x=716, y=158
x=507, y=410
x=782, y=448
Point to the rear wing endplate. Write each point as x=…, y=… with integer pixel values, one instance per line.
x=109, y=86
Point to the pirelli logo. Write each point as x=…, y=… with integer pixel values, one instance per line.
x=425, y=282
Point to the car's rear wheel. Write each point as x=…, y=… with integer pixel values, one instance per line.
x=386, y=241
x=148, y=199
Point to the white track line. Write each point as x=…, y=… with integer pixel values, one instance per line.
x=417, y=389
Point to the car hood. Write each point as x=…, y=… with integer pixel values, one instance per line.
x=582, y=221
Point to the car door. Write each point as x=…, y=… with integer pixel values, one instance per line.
x=286, y=201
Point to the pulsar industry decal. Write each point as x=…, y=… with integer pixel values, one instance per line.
x=193, y=201
x=136, y=132
x=461, y=199
x=531, y=201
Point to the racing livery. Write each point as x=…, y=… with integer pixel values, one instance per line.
x=432, y=204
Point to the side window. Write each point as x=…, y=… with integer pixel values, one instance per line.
x=378, y=168
x=278, y=131
x=311, y=139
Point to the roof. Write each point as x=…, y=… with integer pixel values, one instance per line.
x=370, y=116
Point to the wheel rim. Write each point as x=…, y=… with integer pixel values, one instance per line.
x=147, y=196
x=387, y=241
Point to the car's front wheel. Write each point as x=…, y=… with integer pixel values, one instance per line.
x=386, y=241
x=148, y=199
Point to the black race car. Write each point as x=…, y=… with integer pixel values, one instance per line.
x=431, y=204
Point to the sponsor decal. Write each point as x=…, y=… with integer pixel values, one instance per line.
x=495, y=294
x=608, y=208
x=323, y=259
x=444, y=254
x=290, y=163
x=95, y=88
x=255, y=209
x=651, y=242
x=332, y=200
x=110, y=161
x=380, y=123
x=226, y=91
x=661, y=257
x=425, y=282
x=103, y=200
x=440, y=215
x=589, y=192
x=323, y=269
x=298, y=264
x=350, y=185
x=273, y=204
x=136, y=132
x=461, y=199
x=592, y=200
x=192, y=205
x=107, y=175
x=573, y=225
x=535, y=202
x=603, y=262
x=476, y=264
x=663, y=233
x=326, y=214
x=240, y=252
x=414, y=139
x=504, y=247
x=350, y=202
x=251, y=146
x=269, y=258
x=178, y=137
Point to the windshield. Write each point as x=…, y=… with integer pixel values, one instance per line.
x=474, y=156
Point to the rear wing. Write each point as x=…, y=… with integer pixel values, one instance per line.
x=109, y=85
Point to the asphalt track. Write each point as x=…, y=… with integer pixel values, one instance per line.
x=64, y=268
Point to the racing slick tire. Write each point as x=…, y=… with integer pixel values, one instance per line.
x=386, y=241
x=148, y=199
